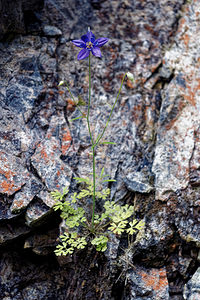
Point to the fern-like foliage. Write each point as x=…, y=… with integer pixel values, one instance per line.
x=115, y=218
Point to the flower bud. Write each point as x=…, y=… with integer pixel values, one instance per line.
x=130, y=76
x=61, y=83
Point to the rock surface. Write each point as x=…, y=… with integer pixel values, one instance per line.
x=16, y=15
x=155, y=161
x=192, y=289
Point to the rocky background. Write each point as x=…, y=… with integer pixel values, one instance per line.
x=156, y=161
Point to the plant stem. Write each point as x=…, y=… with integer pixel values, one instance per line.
x=100, y=137
x=94, y=185
x=89, y=101
x=93, y=145
x=72, y=96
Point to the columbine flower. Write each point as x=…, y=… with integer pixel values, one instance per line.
x=88, y=43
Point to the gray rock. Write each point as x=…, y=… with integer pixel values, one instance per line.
x=13, y=175
x=192, y=288
x=198, y=258
x=37, y=213
x=137, y=182
x=46, y=159
x=13, y=15
x=25, y=195
x=42, y=244
x=155, y=126
x=179, y=117
x=52, y=31
x=147, y=284
x=9, y=232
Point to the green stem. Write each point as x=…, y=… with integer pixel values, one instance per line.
x=69, y=91
x=89, y=101
x=72, y=97
x=93, y=145
x=94, y=185
x=100, y=137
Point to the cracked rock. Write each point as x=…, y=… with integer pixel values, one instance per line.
x=52, y=31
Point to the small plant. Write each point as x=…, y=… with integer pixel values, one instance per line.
x=83, y=227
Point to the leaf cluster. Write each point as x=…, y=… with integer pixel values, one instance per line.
x=115, y=218
x=70, y=242
x=101, y=193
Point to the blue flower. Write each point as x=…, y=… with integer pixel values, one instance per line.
x=88, y=43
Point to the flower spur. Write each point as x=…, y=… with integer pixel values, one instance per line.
x=88, y=43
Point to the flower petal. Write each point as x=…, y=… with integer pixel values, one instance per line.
x=96, y=51
x=84, y=38
x=100, y=42
x=91, y=37
x=79, y=43
x=84, y=53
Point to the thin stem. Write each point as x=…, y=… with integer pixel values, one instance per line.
x=69, y=91
x=100, y=137
x=94, y=185
x=73, y=97
x=93, y=146
x=89, y=101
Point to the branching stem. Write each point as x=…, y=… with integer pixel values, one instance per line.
x=100, y=137
x=94, y=144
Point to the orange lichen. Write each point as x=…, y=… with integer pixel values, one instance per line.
x=181, y=24
x=44, y=154
x=66, y=141
x=18, y=203
x=186, y=39
x=190, y=97
x=7, y=186
x=155, y=279
x=55, y=147
x=49, y=135
x=65, y=148
x=66, y=136
x=181, y=106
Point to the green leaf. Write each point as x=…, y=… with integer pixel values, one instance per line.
x=102, y=172
x=131, y=230
x=58, y=205
x=69, y=250
x=83, y=193
x=73, y=197
x=58, y=195
x=108, y=143
x=115, y=229
x=74, y=119
x=100, y=243
x=109, y=180
x=97, y=140
x=81, y=179
x=64, y=237
x=140, y=225
x=81, y=102
x=96, y=217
